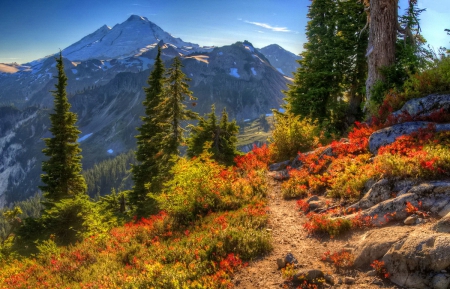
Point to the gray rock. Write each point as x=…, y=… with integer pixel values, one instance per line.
x=380, y=191
x=409, y=260
x=308, y=275
x=316, y=205
x=376, y=243
x=349, y=280
x=421, y=107
x=329, y=279
x=279, y=166
x=312, y=199
x=440, y=281
x=434, y=195
x=388, y=135
x=296, y=163
x=290, y=259
x=411, y=220
x=281, y=263
x=443, y=225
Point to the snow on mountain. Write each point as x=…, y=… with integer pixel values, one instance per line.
x=134, y=36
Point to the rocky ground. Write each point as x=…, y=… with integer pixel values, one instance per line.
x=406, y=218
x=289, y=237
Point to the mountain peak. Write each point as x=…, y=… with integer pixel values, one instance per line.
x=137, y=18
x=126, y=39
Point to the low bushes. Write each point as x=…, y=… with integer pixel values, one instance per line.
x=213, y=223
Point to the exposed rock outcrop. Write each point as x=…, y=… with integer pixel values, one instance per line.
x=434, y=196
x=415, y=260
x=388, y=135
x=375, y=244
x=423, y=107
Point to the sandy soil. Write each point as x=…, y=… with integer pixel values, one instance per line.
x=288, y=236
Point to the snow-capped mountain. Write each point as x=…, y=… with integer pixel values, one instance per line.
x=283, y=60
x=106, y=72
x=134, y=36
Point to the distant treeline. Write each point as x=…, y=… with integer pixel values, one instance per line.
x=109, y=174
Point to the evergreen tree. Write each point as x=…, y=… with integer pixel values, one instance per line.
x=171, y=112
x=148, y=168
x=62, y=176
x=330, y=81
x=314, y=82
x=351, y=46
x=221, y=135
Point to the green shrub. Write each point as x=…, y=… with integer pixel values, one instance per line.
x=292, y=134
x=433, y=80
x=201, y=185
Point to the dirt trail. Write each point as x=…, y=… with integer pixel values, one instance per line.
x=288, y=236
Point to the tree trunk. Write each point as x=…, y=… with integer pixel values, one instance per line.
x=382, y=39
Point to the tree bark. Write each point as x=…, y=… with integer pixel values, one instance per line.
x=382, y=39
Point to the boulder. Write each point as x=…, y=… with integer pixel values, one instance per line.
x=311, y=276
x=388, y=135
x=441, y=281
x=423, y=107
x=410, y=260
x=376, y=243
x=279, y=166
x=380, y=191
x=434, y=196
x=316, y=205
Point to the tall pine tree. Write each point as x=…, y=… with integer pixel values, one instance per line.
x=171, y=112
x=329, y=83
x=221, y=135
x=62, y=178
x=315, y=81
x=148, y=168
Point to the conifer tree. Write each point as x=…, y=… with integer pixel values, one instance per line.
x=351, y=63
x=329, y=83
x=62, y=178
x=171, y=112
x=221, y=135
x=314, y=82
x=148, y=145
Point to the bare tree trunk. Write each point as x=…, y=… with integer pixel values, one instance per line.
x=382, y=38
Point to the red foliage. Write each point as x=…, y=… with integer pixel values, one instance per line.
x=341, y=259
x=378, y=266
x=258, y=158
x=303, y=205
x=230, y=263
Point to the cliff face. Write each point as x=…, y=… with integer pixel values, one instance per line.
x=20, y=150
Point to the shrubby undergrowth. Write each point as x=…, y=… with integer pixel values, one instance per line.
x=212, y=224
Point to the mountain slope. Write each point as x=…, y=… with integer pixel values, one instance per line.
x=109, y=104
x=281, y=59
x=136, y=35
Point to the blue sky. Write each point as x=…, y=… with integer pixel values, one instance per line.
x=31, y=29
